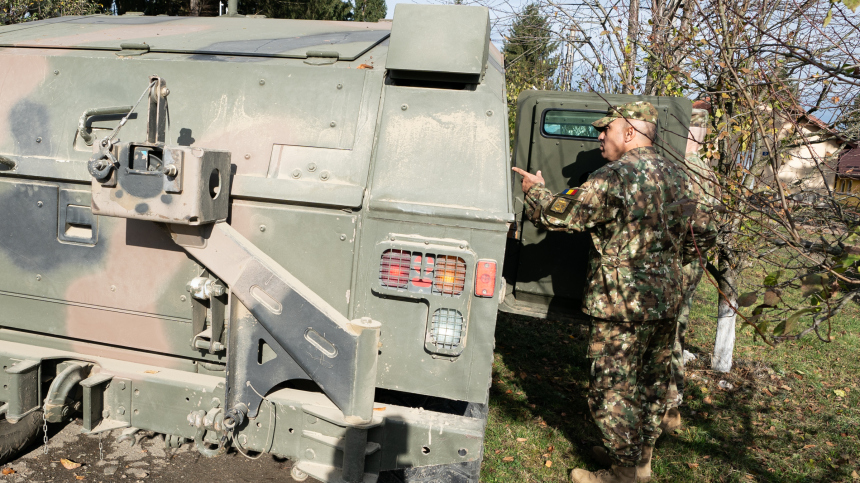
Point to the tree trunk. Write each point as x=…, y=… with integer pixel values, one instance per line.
x=724, y=345
x=630, y=48
x=655, y=42
x=194, y=8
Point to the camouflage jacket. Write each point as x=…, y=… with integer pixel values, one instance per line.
x=638, y=211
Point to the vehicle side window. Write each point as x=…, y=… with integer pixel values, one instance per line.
x=565, y=123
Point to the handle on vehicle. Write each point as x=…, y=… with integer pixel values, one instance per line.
x=98, y=111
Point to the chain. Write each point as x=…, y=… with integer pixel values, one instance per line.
x=101, y=457
x=45, y=429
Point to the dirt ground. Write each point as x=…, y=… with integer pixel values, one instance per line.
x=147, y=460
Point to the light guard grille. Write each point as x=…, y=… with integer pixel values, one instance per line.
x=447, y=329
x=449, y=278
x=394, y=268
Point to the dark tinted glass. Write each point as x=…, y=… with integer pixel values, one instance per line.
x=575, y=124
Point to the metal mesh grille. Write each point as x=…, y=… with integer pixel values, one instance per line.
x=394, y=268
x=446, y=328
x=449, y=277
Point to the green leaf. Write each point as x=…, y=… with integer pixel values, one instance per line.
x=829, y=17
x=779, y=329
x=795, y=317
x=852, y=4
x=747, y=299
x=758, y=310
x=762, y=327
x=772, y=278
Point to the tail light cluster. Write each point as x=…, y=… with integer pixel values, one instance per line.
x=443, y=275
x=440, y=279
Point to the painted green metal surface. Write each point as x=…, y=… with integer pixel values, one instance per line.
x=435, y=42
x=231, y=36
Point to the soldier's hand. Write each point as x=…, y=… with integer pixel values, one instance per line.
x=529, y=179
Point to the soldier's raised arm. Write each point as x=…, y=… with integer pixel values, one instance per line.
x=575, y=209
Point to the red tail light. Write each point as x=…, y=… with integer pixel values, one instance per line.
x=394, y=268
x=485, y=278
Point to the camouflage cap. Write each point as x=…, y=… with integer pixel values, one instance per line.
x=641, y=110
x=699, y=118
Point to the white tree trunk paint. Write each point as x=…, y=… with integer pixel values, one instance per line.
x=725, y=343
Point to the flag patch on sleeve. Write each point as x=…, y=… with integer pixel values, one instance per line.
x=571, y=192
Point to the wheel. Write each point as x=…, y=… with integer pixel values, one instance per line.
x=467, y=472
x=14, y=438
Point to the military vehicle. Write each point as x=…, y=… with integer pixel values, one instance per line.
x=271, y=235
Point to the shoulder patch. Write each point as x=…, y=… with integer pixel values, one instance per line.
x=571, y=192
x=560, y=205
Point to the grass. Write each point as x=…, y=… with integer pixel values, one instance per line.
x=792, y=416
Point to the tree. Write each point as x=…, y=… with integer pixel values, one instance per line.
x=15, y=11
x=369, y=10
x=298, y=9
x=530, y=58
x=765, y=67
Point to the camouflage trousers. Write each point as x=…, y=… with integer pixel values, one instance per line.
x=630, y=376
x=692, y=274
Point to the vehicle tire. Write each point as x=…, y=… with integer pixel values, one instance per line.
x=468, y=472
x=14, y=438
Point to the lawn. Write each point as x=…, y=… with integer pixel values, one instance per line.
x=792, y=415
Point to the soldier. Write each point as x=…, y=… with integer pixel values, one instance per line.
x=638, y=213
x=706, y=188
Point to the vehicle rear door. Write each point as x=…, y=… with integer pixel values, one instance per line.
x=546, y=271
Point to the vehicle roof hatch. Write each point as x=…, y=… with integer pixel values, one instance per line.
x=234, y=36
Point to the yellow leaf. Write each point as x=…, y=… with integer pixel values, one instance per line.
x=508, y=458
x=548, y=463
x=151, y=371
x=69, y=464
x=521, y=440
x=8, y=471
x=79, y=477
x=839, y=392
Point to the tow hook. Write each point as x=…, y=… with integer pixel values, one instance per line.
x=128, y=434
x=209, y=421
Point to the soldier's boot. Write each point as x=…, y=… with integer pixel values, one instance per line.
x=617, y=474
x=643, y=468
x=671, y=420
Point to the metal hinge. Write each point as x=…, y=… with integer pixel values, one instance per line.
x=132, y=50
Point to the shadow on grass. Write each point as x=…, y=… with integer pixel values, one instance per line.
x=543, y=376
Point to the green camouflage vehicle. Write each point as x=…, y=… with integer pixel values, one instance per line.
x=275, y=235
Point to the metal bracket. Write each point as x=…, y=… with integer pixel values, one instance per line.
x=207, y=295
x=24, y=386
x=338, y=354
x=106, y=410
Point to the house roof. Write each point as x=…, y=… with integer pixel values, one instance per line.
x=810, y=120
x=849, y=164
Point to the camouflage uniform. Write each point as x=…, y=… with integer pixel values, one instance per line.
x=706, y=189
x=638, y=211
